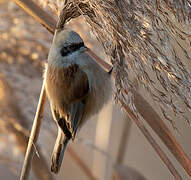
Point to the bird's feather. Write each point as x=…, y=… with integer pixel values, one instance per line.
x=66, y=131
x=77, y=110
x=58, y=152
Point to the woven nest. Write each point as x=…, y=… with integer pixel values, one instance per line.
x=148, y=39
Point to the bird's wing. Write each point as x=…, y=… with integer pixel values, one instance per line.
x=76, y=110
x=77, y=91
x=75, y=86
x=65, y=133
x=69, y=124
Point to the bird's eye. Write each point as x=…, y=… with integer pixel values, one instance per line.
x=71, y=48
x=64, y=51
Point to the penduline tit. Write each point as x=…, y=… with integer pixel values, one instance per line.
x=77, y=88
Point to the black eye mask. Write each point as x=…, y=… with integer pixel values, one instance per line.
x=71, y=48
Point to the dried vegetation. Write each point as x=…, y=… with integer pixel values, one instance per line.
x=147, y=41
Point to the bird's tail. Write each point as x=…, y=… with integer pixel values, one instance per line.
x=58, y=152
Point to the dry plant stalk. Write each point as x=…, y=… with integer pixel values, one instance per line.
x=39, y=14
x=34, y=135
x=186, y=161
x=14, y=124
x=40, y=108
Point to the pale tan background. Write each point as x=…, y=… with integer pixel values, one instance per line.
x=103, y=131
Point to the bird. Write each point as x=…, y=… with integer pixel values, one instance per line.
x=77, y=88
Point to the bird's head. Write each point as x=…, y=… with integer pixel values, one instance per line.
x=66, y=43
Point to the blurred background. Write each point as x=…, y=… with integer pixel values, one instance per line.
x=108, y=146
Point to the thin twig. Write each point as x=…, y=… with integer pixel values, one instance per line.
x=34, y=135
x=170, y=138
x=37, y=13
